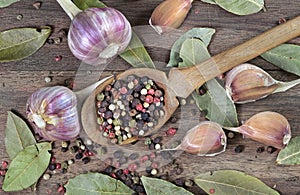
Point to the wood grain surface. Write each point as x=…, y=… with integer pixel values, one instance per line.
x=19, y=79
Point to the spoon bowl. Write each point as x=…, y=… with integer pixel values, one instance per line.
x=182, y=81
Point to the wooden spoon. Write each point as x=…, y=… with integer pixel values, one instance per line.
x=181, y=82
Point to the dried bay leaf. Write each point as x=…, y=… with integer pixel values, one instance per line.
x=96, y=184
x=27, y=167
x=162, y=187
x=17, y=135
x=209, y=1
x=84, y=4
x=290, y=155
x=286, y=57
x=231, y=182
x=241, y=7
x=204, y=34
x=136, y=54
x=19, y=43
x=215, y=102
x=6, y=3
x=217, y=106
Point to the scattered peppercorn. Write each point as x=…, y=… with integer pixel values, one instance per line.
x=48, y=79
x=46, y=176
x=260, y=149
x=86, y=160
x=58, y=58
x=230, y=135
x=271, y=149
x=50, y=41
x=52, y=166
x=239, y=148
x=37, y=4
x=79, y=155
x=19, y=17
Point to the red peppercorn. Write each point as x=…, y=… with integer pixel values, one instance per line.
x=139, y=107
x=117, y=164
x=126, y=171
x=58, y=58
x=171, y=131
x=86, y=153
x=2, y=172
x=90, y=153
x=4, y=164
x=113, y=175
x=111, y=135
x=108, y=161
x=53, y=159
x=149, y=99
x=58, y=165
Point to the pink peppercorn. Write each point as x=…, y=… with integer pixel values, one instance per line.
x=4, y=164
x=2, y=172
x=144, y=158
x=132, y=167
x=171, y=131
x=154, y=165
x=58, y=58
x=139, y=107
x=152, y=155
x=113, y=175
x=150, y=91
x=61, y=189
x=123, y=90
x=149, y=99
x=111, y=135
x=156, y=100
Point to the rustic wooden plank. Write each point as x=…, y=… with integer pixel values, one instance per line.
x=20, y=78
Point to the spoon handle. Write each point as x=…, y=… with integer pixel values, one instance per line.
x=185, y=80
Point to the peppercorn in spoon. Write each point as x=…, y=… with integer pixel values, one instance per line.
x=179, y=83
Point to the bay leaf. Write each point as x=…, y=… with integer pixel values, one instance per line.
x=231, y=182
x=290, y=155
x=209, y=1
x=19, y=43
x=286, y=57
x=96, y=184
x=241, y=7
x=84, y=4
x=162, y=187
x=204, y=34
x=27, y=167
x=17, y=135
x=136, y=54
x=215, y=102
x=6, y=3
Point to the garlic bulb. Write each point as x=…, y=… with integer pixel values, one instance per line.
x=96, y=34
x=169, y=14
x=53, y=112
x=247, y=83
x=205, y=139
x=269, y=128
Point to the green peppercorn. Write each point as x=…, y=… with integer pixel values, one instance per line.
x=74, y=149
x=64, y=144
x=148, y=141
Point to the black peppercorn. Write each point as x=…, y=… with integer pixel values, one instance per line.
x=239, y=148
x=109, y=169
x=79, y=155
x=64, y=149
x=86, y=160
x=260, y=149
x=119, y=172
x=179, y=182
x=271, y=149
x=63, y=170
x=157, y=140
x=148, y=170
x=128, y=182
x=52, y=166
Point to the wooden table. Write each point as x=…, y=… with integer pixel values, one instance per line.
x=21, y=78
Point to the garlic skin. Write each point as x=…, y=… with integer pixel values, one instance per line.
x=247, y=83
x=53, y=113
x=205, y=139
x=98, y=34
x=270, y=128
x=169, y=14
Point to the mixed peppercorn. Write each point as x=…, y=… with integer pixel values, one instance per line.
x=129, y=107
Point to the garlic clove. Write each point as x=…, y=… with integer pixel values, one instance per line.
x=53, y=113
x=247, y=83
x=269, y=128
x=205, y=139
x=169, y=14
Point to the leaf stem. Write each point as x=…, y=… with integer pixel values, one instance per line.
x=283, y=86
x=69, y=7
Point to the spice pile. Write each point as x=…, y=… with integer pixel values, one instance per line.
x=128, y=108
